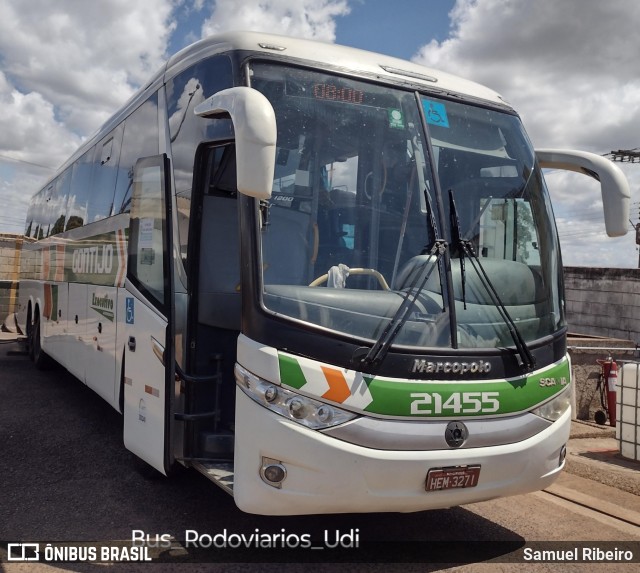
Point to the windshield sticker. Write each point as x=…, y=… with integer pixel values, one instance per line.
x=396, y=119
x=435, y=112
x=145, y=238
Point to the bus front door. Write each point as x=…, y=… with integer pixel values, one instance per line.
x=149, y=372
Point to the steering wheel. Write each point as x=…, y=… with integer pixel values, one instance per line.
x=355, y=271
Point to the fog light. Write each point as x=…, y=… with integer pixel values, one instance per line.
x=273, y=472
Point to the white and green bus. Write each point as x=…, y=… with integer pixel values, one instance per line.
x=328, y=279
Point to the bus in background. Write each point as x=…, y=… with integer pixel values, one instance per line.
x=328, y=279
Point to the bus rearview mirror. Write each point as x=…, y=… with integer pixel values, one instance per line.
x=254, y=124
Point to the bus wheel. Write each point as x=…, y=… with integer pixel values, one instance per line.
x=40, y=358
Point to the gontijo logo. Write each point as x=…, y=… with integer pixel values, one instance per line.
x=93, y=260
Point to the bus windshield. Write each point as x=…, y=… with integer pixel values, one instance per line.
x=355, y=219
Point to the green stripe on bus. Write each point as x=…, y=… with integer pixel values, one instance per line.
x=451, y=398
x=466, y=398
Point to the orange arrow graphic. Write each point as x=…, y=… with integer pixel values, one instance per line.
x=338, y=388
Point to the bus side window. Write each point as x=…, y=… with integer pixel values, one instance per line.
x=148, y=229
x=105, y=170
x=59, y=206
x=140, y=140
x=185, y=91
x=79, y=193
x=39, y=225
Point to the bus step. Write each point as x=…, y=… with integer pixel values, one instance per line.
x=216, y=445
x=220, y=473
x=196, y=417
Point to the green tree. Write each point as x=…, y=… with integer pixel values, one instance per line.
x=74, y=222
x=58, y=226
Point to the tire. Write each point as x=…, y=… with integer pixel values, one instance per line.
x=40, y=358
x=600, y=418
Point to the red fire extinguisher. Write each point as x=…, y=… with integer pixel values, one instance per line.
x=612, y=380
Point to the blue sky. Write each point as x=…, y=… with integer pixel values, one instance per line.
x=66, y=66
x=395, y=28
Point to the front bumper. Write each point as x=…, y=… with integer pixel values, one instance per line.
x=327, y=475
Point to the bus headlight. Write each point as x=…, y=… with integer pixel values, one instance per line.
x=554, y=408
x=306, y=411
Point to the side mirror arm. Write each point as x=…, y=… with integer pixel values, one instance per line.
x=613, y=183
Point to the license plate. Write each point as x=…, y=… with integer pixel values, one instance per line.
x=452, y=477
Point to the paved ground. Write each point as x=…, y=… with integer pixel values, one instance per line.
x=594, y=453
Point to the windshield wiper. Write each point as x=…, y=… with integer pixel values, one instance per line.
x=526, y=359
x=458, y=244
x=438, y=247
x=381, y=347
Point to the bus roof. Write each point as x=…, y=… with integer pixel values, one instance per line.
x=336, y=56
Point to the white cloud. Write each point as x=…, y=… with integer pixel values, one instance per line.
x=311, y=19
x=66, y=67
x=37, y=137
x=571, y=70
x=86, y=58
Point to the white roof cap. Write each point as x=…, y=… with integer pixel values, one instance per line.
x=335, y=55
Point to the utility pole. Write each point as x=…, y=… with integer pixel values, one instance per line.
x=637, y=237
x=625, y=155
x=628, y=156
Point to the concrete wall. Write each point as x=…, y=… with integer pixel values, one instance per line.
x=10, y=249
x=603, y=302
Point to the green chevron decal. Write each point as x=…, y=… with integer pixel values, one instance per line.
x=291, y=372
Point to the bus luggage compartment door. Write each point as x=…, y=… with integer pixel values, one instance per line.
x=144, y=387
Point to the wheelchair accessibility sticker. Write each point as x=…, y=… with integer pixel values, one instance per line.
x=435, y=112
x=129, y=310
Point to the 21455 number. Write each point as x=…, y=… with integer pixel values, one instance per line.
x=456, y=403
